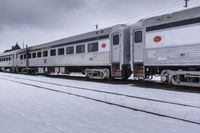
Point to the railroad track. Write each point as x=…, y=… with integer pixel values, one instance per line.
x=110, y=103
x=145, y=84
x=139, y=83
x=106, y=92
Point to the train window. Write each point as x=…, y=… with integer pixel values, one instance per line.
x=29, y=56
x=45, y=53
x=21, y=57
x=138, y=36
x=9, y=58
x=53, y=52
x=39, y=54
x=0, y=59
x=25, y=56
x=61, y=51
x=80, y=49
x=70, y=50
x=93, y=47
x=33, y=55
x=116, y=39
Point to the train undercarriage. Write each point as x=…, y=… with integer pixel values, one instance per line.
x=179, y=77
x=185, y=76
x=91, y=72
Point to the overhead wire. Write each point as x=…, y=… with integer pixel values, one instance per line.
x=169, y=6
x=141, y=13
x=156, y=13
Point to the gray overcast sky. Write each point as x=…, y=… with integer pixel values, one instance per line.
x=40, y=21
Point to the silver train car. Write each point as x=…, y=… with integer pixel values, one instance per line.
x=99, y=54
x=7, y=61
x=166, y=45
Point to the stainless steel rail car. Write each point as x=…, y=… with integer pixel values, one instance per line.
x=99, y=54
x=168, y=45
x=8, y=61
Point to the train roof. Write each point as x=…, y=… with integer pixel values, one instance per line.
x=81, y=38
x=60, y=42
x=173, y=17
x=8, y=53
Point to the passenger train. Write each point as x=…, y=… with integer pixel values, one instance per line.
x=166, y=45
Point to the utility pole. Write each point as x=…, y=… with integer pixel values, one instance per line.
x=186, y=3
x=97, y=27
x=23, y=44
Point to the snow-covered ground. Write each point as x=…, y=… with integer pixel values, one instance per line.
x=27, y=109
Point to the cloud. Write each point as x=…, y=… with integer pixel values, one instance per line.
x=40, y=21
x=35, y=13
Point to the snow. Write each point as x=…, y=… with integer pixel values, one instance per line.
x=26, y=109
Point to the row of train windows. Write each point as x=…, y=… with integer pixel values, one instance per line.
x=92, y=47
x=5, y=59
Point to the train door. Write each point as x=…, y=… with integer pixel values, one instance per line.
x=138, y=53
x=116, y=48
x=116, y=55
x=138, y=45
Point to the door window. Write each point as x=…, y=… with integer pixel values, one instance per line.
x=138, y=37
x=116, y=39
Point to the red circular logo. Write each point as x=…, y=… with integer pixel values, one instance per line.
x=157, y=39
x=103, y=45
